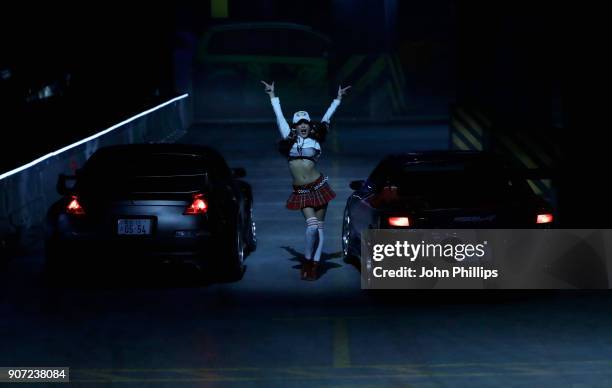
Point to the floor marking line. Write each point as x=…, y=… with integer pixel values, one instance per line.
x=341, y=352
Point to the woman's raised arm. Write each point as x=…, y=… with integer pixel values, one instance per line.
x=283, y=126
x=334, y=105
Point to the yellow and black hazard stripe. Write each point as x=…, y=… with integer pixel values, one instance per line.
x=469, y=129
x=472, y=130
x=531, y=152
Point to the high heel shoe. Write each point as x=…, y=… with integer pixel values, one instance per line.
x=306, y=269
x=313, y=273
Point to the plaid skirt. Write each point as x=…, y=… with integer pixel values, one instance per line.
x=315, y=194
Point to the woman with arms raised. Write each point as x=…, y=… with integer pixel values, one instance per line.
x=301, y=145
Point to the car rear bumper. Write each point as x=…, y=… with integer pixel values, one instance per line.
x=84, y=249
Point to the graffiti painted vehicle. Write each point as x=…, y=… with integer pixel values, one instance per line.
x=233, y=58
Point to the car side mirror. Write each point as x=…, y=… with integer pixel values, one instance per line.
x=238, y=172
x=61, y=187
x=356, y=185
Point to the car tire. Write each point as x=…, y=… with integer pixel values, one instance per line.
x=232, y=268
x=251, y=239
x=347, y=238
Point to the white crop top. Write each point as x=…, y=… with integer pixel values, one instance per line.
x=305, y=149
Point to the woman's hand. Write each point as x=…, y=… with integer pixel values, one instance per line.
x=342, y=91
x=269, y=88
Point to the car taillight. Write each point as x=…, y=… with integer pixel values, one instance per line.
x=74, y=207
x=399, y=221
x=545, y=218
x=386, y=195
x=198, y=206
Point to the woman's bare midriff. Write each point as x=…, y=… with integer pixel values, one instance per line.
x=303, y=171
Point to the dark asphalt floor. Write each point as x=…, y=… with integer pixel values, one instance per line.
x=272, y=329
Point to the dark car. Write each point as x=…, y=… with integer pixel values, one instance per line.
x=444, y=189
x=157, y=203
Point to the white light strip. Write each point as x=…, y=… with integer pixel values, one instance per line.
x=78, y=143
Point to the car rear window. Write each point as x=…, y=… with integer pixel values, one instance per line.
x=141, y=164
x=449, y=183
x=146, y=173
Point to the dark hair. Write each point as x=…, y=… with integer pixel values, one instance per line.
x=318, y=131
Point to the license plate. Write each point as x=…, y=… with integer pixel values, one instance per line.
x=134, y=227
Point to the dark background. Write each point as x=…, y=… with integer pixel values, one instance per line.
x=535, y=69
x=532, y=67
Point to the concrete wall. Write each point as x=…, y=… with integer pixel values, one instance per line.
x=26, y=196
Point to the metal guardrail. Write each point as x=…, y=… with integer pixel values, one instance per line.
x=27, y=191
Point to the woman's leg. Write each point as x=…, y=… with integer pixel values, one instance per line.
x=308, y=212
x=320, y=214
x=312, y=225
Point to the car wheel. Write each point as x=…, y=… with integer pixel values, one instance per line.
x=346, y=236
x=251, y=240
x=232, y=268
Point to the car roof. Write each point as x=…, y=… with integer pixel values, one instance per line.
x=443, y=156
x=185, y=149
